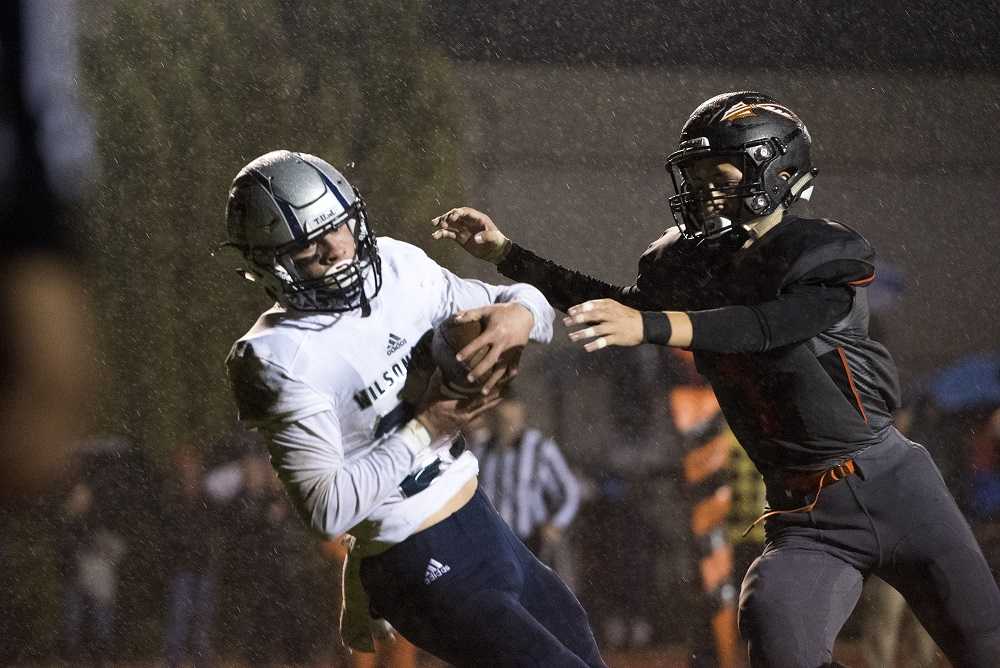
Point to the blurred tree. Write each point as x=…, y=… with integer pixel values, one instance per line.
x=187, y=92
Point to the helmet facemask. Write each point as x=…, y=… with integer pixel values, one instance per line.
x=343, y=287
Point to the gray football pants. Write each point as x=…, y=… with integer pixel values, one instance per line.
x=895, y=519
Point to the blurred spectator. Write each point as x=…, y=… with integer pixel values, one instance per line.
x=632, y=561
x=525, y=475
x=959, y=406
x=984, y=464
x=269, y=568
x=189, y=534
x=46, y=151
x=91, y=553
x=749, y=496
x=707, y=444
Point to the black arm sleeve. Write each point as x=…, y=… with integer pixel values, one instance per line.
x=564, y=287
x=813, y=302
x=799, y=314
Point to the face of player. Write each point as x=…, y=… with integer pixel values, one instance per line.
x=326, y=254
x=711, y=178
x=708, y=177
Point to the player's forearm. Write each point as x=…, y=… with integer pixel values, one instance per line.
x=795, y=317
x=562, y=287
x=532, y=299
x=464, y=294
x=349, y=496
x=334, y=497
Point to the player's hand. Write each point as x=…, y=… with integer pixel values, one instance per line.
x=474, y=231
x=442, y=414
x=506, y=328
x=609, y=324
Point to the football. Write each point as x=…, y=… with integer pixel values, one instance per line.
x=449, y=338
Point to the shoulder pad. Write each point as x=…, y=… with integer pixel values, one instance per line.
x=411, y=263
x=254, y=383
x=812, y=244
x=674, y=270
x=266, y=392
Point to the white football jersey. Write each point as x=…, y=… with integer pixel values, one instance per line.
x=319, y=385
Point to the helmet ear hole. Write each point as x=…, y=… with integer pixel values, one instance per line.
x=759, y=203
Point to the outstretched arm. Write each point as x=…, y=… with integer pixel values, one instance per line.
x=798, y=315
x=563, y=287
x=476, y=232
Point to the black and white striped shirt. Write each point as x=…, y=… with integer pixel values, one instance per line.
x=530, y=484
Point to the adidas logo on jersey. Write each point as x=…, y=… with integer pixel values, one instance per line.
x=435, y=569
x=395, y=343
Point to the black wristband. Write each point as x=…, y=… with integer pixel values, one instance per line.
x=656, y=327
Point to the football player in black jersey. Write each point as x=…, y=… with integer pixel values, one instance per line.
x=775, y=309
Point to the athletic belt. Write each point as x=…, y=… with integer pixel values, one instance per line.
x=804, y=482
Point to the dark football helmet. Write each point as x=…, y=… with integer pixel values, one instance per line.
x=764, y=139
x=282, y=201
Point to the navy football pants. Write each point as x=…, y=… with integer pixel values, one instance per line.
x=895, y=519
x=469, y=592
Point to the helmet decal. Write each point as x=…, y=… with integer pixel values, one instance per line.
x=744, y=110
x=739, y=110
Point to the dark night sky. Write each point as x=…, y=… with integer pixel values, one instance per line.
x=761, y=33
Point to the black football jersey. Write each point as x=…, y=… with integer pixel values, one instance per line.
x=810, y=403
x=793, y=403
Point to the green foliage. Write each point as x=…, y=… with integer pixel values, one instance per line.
x=186, y=92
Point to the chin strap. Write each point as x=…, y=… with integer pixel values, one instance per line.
x=717, y=227
x=366, y=307
x=729, y=240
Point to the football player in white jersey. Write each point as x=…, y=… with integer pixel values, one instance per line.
x=320, y=375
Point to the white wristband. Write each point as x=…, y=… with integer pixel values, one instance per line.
x=415, y=436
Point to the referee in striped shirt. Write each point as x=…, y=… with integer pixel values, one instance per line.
x=526, y=477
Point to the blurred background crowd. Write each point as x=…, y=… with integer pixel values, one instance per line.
x=198, y=558
x=138, y=525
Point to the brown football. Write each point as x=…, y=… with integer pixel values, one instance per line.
x=449, y=338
